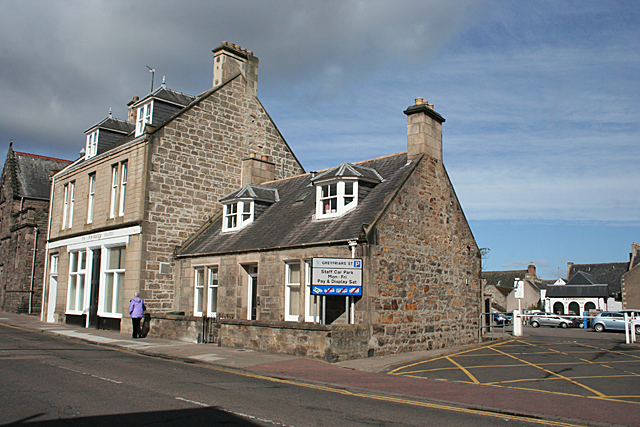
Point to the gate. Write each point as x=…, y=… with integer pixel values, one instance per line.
x=211, y=328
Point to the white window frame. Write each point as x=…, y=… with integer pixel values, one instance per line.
x=124, y=166
x=198, y=290
x=239, y=218
x=53, y=287
x=76, y=294
x=144, y=116
x=344, y=201
x=292, y=286
x=213, y=287
x=114, y=191
x=91, y=148
x=72, y=197
x=65, y=208
x=310, y=299
x=92, y=195
x=116, y=289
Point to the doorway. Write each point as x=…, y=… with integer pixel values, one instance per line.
x=95, y=289
x=252, y=284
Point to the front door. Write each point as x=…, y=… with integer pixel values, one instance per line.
x=95, y=289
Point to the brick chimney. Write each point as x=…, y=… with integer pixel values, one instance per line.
x=424, y=130
x=230, y=59
x=531, y=272
x=256, y=171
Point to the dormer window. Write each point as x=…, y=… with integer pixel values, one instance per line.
x=144, y=116
x=91, y=148
x=243, y=206
x=336, y=198
x=338, y=189
x=237, y=215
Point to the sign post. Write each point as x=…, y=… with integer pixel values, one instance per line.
x=337, y=276
x=518, y=287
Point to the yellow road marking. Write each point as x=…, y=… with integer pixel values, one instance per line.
x=596, y=392
x=462, y=368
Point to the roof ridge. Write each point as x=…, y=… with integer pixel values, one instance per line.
x=42, y=157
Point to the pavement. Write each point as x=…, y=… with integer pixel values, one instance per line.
x=366, y=377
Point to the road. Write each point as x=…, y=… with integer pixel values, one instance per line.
x=49, y=381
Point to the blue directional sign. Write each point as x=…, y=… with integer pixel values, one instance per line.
x=336, y=276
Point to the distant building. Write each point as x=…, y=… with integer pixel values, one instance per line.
x=630, y=282
x=252, y=267
x=24, y=211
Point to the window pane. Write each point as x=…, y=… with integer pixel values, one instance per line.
x=108, y=293
x=118, y=292
x=72, y=293
x=294, y=273
x=294, y=300
x=199, y=277
x=74, y=262
x=348, y=188
x=246, y=207
x=82, y=260
x=333, y=189
x=213, y=299
x=199, y=292
x=80, y=293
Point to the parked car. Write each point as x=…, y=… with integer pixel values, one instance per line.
x=551, y=319
x=502, y=319
x=611, y=321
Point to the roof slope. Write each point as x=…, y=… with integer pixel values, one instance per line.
x=27, y=175
x=609, y=273
x=289, y=223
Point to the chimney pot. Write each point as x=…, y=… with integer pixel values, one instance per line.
x=252, y=155
x=419, y=101
x=265, y=158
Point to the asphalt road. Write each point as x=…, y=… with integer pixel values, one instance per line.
x=573, y=362
x=50, y=381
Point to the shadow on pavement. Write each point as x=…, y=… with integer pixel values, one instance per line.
x=178, y=418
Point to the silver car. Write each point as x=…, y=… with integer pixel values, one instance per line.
x=550, y=319
x=610, y=321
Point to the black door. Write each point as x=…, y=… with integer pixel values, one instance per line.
x=95, y=290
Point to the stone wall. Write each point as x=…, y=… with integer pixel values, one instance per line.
x=16, y=254
x=426, y=286
x=195, y=160
x=327, y=342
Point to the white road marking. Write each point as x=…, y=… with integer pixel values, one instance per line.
x=191, y=401
x=91, y=375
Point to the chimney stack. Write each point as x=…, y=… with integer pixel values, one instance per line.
x=424, y=130
x=256, y=171
x=131, y=115
x=230, y=59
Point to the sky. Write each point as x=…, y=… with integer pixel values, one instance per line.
x=542, y=131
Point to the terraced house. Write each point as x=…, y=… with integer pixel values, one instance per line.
x=145, y=184
x=361, y=259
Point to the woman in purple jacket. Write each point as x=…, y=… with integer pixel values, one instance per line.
x=136, y=311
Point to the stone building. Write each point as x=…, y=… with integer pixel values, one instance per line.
x=24, y=211
x=145, y=184
x=411, y=275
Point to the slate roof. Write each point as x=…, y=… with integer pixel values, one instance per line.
x=578, y=291
x=254, y=192
x=289, y=222
x=27, y=175
x=504, y=278
x=609, y=273
x=348, y=170
x=32, y=174
x=169, y=95
x=116, y=125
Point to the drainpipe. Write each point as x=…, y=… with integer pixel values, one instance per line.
x=33, y=270
x=46, y=252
